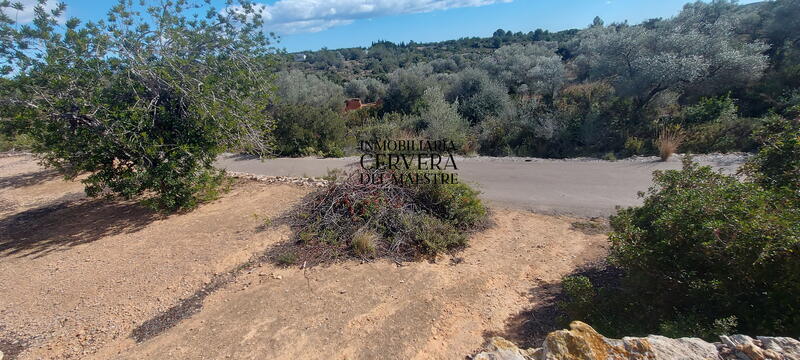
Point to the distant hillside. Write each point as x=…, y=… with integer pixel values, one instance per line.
x=383, y=57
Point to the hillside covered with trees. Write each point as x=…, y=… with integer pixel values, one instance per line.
x=710, y=74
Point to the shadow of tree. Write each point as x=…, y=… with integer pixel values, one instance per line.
x=28, y=179
x=61, y=225
x=239, y=157
x=529, y=328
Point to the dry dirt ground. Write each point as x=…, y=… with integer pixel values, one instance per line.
x=85, y=278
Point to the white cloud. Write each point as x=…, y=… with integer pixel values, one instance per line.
x=298, y=16
x=26, y=15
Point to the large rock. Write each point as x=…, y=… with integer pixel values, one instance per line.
x=502, y=349
x=790, y=348
x=582, y=342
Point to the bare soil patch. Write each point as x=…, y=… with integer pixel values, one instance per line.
x=77, y=273
x=87, y=274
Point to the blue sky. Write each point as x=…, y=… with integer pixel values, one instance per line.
x=313, y=24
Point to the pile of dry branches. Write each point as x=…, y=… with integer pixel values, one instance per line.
x=354, y=218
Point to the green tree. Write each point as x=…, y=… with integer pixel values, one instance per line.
x=145, y=100
x=697, y=51
x=299, y=88
x=479, y=96
x=366, y=89
x=309, y=130
x=442, y=118
x=537, y=67
x=406, y=87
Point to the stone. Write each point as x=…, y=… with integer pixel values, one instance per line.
x=790, y=348
x=745, y=348
x=582, y=342
x=683, y=348
x=502, y=349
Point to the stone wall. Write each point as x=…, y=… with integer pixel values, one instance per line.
x=299, y=181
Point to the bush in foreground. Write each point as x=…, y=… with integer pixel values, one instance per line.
x=145, y=113
x=706, y=252
x=401, y=221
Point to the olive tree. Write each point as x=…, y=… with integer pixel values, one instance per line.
x=696, y=50
x=144, y=100
x=478, y=95
x=406, y=87
x=442, y=119
x=298, y=88
x=534, y=68
x=367, y=89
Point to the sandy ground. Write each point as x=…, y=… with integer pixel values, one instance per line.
x=80, y=276
x=578, y=187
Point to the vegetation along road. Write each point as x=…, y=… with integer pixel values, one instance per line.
x=582, y=187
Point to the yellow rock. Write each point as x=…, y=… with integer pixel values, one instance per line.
x=582, y=342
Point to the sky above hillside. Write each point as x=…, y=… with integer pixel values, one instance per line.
x=313, y=24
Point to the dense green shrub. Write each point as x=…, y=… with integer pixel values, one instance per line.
x=15, y=121
x=734, y=134
x=718, y=246
x=478, y=95
x=298, y=88
x=378, y=130
x=17, y=142
x=777, y=165
x=304, y=130
x=406, y=87
x=634, y=145
x=706, y=253
x=713, y=109
x=428, y=234
x=367, y=89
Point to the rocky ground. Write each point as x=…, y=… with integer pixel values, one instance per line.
x=94, y=279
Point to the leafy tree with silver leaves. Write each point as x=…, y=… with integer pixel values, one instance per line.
x=696, y=50
x=145, y=100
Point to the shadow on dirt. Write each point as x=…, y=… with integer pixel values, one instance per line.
x=12, y=344
x=28, y=179
x=529, y=328
x=67, y=222
x=191, y=305
x=183, y=310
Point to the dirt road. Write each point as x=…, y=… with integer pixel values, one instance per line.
x=578, y=187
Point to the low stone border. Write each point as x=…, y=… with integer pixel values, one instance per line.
x=299, y=181
x=583, y=342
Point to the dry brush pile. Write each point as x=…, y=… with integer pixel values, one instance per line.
x=402, y=221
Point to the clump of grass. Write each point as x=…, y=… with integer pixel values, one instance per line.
x=593, y=226
x=610, y=156
x=287, y=259
x=668, y=142
x=333, y=174
x=364, y=243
